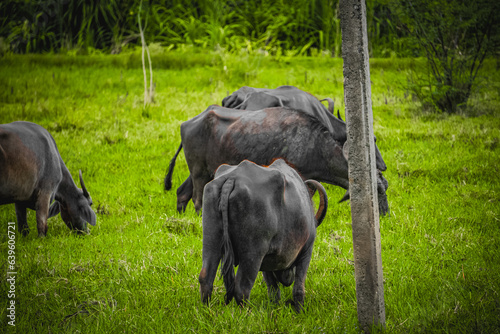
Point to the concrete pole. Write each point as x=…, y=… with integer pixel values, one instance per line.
x=361, y=162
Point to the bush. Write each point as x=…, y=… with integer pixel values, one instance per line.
x=456, y=37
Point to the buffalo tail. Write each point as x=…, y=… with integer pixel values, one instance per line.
x=323, y=200
x=227, y=247
x=168, y=176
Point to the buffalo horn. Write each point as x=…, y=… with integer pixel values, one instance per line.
x=346, y=197
x=84, y=189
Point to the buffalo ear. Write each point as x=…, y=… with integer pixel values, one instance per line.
x=54, y=209
x=345, y=197
x=89, y=215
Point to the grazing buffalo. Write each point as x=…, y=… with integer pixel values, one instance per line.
x=32, y=174
x=228, y=136
x=249, y=98
x=262, y=219
x=252, y=99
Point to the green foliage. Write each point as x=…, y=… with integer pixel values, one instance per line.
x=456, y=37
x=295, y=27
x=137, y=269
x=60, y=25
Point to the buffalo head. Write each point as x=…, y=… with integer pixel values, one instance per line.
x=75, y=208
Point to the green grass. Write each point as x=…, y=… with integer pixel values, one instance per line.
x=137, y=269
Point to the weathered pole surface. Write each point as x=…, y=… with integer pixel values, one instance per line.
x=361, y=162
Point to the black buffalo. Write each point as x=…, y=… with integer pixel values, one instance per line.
x=32, y=174
x=228, y=136
x=262, y=219
x=249, y=98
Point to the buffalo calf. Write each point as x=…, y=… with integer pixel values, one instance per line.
x=260, y=219
x=33, y=174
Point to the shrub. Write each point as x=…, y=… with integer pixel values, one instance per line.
x=456, y=37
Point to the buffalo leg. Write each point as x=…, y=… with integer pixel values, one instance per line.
x=184, y=194
x=382, y=186
x=212, y=241
x=42, y=213
x=198, y=199
x=245, y=277
x=207, y=275
x=211, y=258
x=300, y=278
x=22, y=222
x=199, y=182
x=273, y=290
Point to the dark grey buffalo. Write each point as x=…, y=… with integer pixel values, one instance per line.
x=252, y=99
x=262, y=219
x=249, y=98
x=228, y=136
x=32, y=174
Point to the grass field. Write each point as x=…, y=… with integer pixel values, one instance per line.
x=137, y=270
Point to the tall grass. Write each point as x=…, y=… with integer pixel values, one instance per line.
x=137, y=269
x=277, y=27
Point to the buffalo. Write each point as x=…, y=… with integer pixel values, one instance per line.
x=33, y=174
x=253, y=99
x=262, y=219
x=228, y=136
x=249, y=98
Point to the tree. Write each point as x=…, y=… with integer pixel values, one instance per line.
x=456, y=36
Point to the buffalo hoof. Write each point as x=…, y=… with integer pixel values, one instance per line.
x=181, y=207
x=25, y=231
x=296, y=306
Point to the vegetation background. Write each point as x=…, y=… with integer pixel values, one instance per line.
x=137, y=269
x=294, y=27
